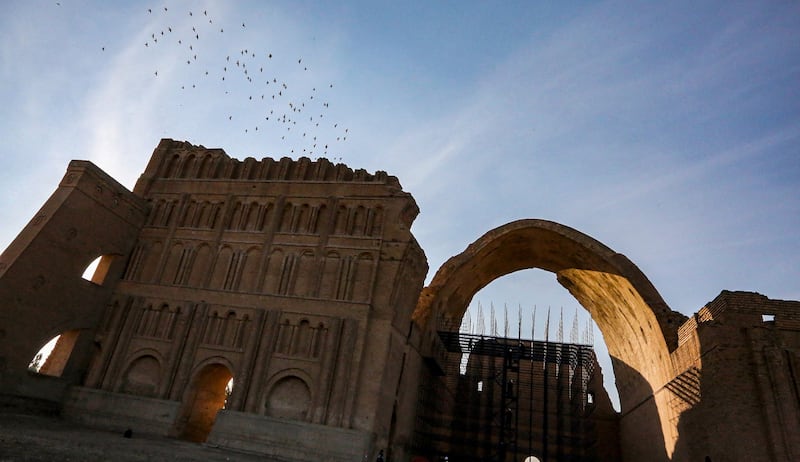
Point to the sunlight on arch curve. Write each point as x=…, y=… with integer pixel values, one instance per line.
x=532, y=459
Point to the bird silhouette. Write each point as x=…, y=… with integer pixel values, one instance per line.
x=298, y=98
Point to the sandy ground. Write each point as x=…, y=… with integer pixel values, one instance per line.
x=38, y=438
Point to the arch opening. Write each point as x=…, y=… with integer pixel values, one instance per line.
x=52, y=358
x=97, y=270
x=638, y=327
x=207, y=394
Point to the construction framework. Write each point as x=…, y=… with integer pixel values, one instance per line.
x=510, y=399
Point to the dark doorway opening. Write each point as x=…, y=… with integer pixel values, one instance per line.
x=204, y=398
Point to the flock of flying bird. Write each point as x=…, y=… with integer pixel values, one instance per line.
x=292, y=113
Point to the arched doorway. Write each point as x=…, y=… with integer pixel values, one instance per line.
x=639, y=328
x=205, y=396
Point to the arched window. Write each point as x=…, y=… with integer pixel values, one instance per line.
x=97, y=270
x=52, y=358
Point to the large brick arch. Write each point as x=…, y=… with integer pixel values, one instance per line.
x=639, y=328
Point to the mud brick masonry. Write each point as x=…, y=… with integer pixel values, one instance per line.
x=301, y=281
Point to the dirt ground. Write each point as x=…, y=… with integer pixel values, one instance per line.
x=38, y=438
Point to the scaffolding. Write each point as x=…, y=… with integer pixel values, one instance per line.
x=504, y=399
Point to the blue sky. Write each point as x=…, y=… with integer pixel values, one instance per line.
x=669, y=131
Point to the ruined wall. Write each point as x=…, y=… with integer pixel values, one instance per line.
x=298, y=277
x=42, y=293
x=736, y=393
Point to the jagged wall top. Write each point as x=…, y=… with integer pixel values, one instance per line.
x=183, y=160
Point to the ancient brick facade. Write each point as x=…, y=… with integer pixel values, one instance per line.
x=296, y=278
x=301, y=281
